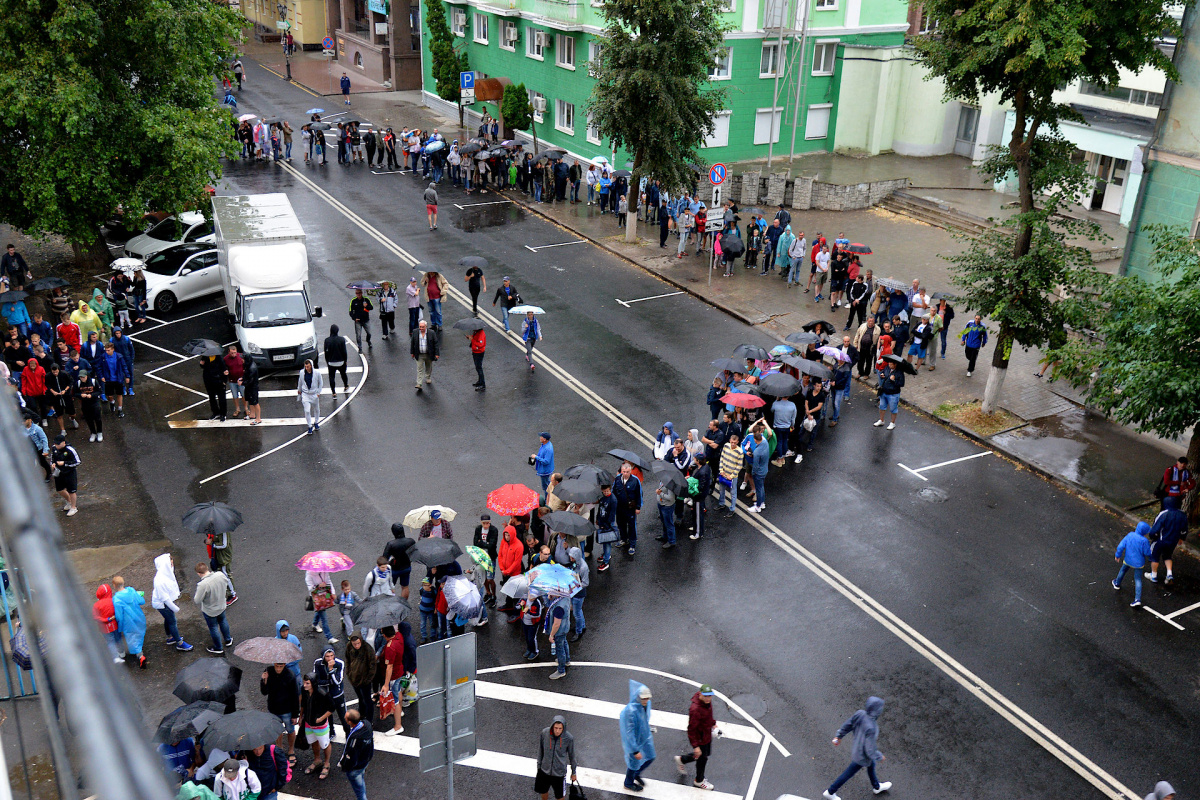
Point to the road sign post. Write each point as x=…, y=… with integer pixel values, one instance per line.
x=446, y=704
x=716, y=174
x=712, y=225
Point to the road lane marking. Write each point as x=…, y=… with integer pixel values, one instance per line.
x=269, y=422
x=975, y=685
x=559, y=244
x=912, y=471
x=492, y=203
x=918, y=472
x=628, y=303
x=1170, y=618
x=163, y=323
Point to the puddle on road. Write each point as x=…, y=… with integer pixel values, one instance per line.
x=1076, y=445
x=480, y=217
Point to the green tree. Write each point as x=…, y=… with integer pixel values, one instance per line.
x=650, y=96
x=1023, y=50
x=109, y=103
x=517, y=112
x=1137, y=359
x=446, y=62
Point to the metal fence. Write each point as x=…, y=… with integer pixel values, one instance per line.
x=82, y=708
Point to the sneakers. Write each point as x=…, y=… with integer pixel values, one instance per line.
x=789, y=453
x=215, y=652
x=333, y=640
x=693, y=537
x=72, y=512
x=603, y=567
x=799, y=458
x=830, y=796
x=968, y=373
x=891, y=426
x=679, y=766
x=1151, y=576
x=703, y=785
x=1135, y=604
x=172, y=641
x=878, y=423
x=184, y=647
x=1116, y=585
x=631, y=551
x=229, y=642
x=754, y=509
x=556, y=675
x=231, y=600
x=99, y=437
x=883, y=787
x=394, y=732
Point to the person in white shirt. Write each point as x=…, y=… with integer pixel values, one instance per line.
x=822, y=272
x=236, y=781
x=593, y=175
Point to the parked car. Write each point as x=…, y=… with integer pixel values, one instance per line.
x=181, y=272
x=190, y=226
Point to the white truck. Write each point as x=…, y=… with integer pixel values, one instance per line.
x=264, y=273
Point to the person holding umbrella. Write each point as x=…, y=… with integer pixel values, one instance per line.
x=320, y=585
x=531, y=334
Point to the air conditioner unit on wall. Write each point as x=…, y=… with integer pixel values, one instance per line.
x=539, y=104
x=544, y=40
x=510, y=34
x=460, y=19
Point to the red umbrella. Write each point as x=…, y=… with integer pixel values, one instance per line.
x=743, y=400
x=513, y=499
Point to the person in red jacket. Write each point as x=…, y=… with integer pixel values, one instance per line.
x=1177, y=480
x=478, y=346
x=701, y=725
x=106, y=616
x=508, y=560
x=33, y=387
x=69, y=332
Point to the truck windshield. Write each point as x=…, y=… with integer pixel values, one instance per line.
x=267, y=310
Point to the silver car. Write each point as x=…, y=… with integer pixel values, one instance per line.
x=190, y=226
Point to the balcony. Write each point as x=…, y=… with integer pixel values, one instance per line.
x=561, y=10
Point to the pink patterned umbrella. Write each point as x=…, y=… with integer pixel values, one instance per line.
x=325, y=561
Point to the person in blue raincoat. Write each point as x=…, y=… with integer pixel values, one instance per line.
x=636, y=738
x=131, y=620
x=864, y=725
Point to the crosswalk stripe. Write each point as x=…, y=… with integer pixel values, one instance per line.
x=237, y=423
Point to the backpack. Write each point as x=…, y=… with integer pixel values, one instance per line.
x=286, y=775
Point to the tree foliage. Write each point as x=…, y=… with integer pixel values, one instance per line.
x=650, y=95
x=109, y=103
x=516, y=109
x=446, y=62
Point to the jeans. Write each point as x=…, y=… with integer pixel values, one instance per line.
x=793, y=277
x=591, y=193
x=287, y=150
x=627, y=525
x=630, y=774
x=575, y=192
x=414, y=317
x=942, y=333
x=683, y=234
x=781, y=441
x=359, y=329
x=545, y=479
x=760, y=490
x=1137, y=580
x=606, y=552
x=169, y=624
x=357, y=783
x=561, y=650
x=504, y=316
x=428, y=624
x=537, y=191
x=722, y=489
x=319, y=619
x=435, y=312
x=577, y=610
x=838, y=397
x=667, y=515
x=437, y=174
x=218, y=629
x=114, y=641
x=530, y=638
x=849, y=773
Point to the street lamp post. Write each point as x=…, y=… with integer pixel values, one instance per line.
x=287, y=51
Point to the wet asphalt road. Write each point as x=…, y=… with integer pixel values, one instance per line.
x=1002, y=571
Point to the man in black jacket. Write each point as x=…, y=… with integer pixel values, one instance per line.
x=360, y=312
x=859, y=296
x=424, y=350
x=396, y=552
x=507, y=296
x=704, y=477
x=270, y=765
x=13, y=266
x=360, y=747
x=335, y=358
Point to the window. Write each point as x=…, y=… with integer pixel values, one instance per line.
x=825, y=5
x=927, y=24
x=564, y=116
x=817, y=124
x=593, y=130
x=508, y=35
x=720, y=135
x=769, y=62
x=823, y=56
x=458, y=22
x=538, y=101
x=1121, y=93
x=594, y=50
x=535, y=43
x=722, y=66
x=564, y=51
x=480, y=28
x=729, y=6
x=968, y=124
x=765, y=129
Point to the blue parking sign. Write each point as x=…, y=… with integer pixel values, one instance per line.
x=466, y=80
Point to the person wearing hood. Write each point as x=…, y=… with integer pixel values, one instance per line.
x=116, y=375
x=1132, y=554
x=308, y=392
x=166, y=592
x=335, y=358
x=360, y=671
x=104, y=310
x=92, y=349
x=431, y=204
x=236, y=781
x=637, y=739
x=330, y=674
x=579, y=564
x=783, y=258
x=123, y=346
x=556, y=752
x=283, y=630
x=17, y=315
x=864, y=724
x=250, y=391
x=1169, y=527
x=396, y=552
x=86, y=320
x=665, y=441
x=104, y=613
x=701, y=724
x=215, y=374
x=1162, y=791
x=131, y=620
x=283, y=700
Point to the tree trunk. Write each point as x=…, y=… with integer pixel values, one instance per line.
x=1191, y=503
x=533, y=130
x=631, y=215
x=461, y=113
x=93, y=256
x=999, y=370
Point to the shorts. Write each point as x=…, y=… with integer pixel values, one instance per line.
x=66, y=480
x=402, y=576
x=288, y=721
x=914, y=349
x=813, y=268
x=544, y=782
x=821, y=277
x=1160, y=552
x=320, y=739
x=251, y=396
x=237, y=389
x=430, y=208
x=889, y=402
x=837, y=285
x=114, y=388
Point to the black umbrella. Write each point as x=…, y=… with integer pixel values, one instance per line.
x=861, y=249
x=381, y=610
x=469, y=149
x=803, y=338
x=779, y=385
x=366, y=286
x=569, y=523
x=807, y=367
x=900, y=363
x=751, y=351
x=631, y=457
x=753, y=212
x=469, y=324
x=731, y=364
x=549, y=151
x=188, y=721
x=590, y=472
x=670, y=476
x=745, y=387
x=820, y=326
x=243, y=730
x=577, y=490
x=479, y=141
x=202, y=347
x=435, y=552
x=473, y=261
x=212, y=518
x=950, y=298
x=731, y=245
x=273, y=121
x=319, y=126
x=46, y=284
x=13, y=296
x=208, y=679
x=622, y=173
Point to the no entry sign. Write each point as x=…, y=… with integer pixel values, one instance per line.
x=717, y=174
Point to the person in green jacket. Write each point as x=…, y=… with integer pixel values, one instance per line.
x=104, y=310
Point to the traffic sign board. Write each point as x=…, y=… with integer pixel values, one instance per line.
x=327, y=43
x=467, y=94
x=717, y=174
x=466, y=80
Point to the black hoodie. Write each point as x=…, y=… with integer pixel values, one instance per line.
x=335, y=348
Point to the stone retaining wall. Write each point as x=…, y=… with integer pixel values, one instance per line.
x=768, y=191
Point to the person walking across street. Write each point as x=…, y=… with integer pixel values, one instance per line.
x=424, y=350
x=637, y=738
x=1169, y=527
x=166, y=592
x=556, y=753
x=508, y=297
x=973, y=338
x=335, y=358
x=209, y=597
x=308, y=392
x=478, y=341
x=66, y=461
x=1132, y=554
x=357, y=754
x=431, y=204
x=543, y=460
x=891, y=381
x=531, y=334
x=476, y=283
x=700, y=728
x=345, y=84
x=864, y=725
x=388, y=301
x=360, y=312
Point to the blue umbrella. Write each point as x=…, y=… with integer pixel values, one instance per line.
x=554, y=579
x=434, y=146
x=315, y=111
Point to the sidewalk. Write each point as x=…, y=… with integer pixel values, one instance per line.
x=310, y=69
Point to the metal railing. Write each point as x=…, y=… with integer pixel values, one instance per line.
x=97, y=743
x=565, y=10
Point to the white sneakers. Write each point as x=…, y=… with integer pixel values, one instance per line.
x=92, y=438
x=891, y=426
x=883, y=787
x=829, y=796
x=72, y=512
x=394, y=732
x=878, y=423
x=968, y=373
x=99, y=437
x=703, y=785
x=679, y=766
x=799, y=458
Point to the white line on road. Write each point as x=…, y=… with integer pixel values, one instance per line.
x=628, y=303
x=560, y=244
x=975, y=685
x=492, y=203
x=269, y=422
x=1166, y=617
x=954, y=461
x=913, y=471
x=163, y=324
x=173, y=383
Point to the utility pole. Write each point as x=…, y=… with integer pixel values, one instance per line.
x=802, y=81
x=784, y=7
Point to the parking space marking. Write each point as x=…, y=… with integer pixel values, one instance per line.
x=918, y=472
x=628, y=303
x=1170, y=618
x=559, y=244
x=268, y=422
x=491, y=203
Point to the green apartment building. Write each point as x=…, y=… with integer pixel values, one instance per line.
x=783, y=85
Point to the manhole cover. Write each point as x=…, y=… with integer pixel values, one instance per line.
x=752, y=704
x=931, y=495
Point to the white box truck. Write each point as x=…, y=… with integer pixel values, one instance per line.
x=264, y=273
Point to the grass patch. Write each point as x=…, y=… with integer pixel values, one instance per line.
x=971, y=417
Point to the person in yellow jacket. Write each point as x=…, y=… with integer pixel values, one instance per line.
x=87, y=320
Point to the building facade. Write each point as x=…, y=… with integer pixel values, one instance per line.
x=307, y=18
x=379, y=39
x=784, y=87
